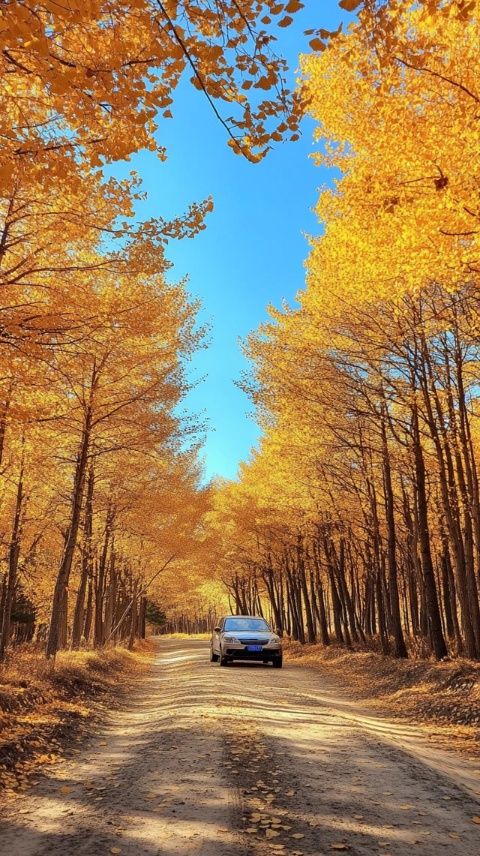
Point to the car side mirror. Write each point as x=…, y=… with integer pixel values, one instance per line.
x=216, y=630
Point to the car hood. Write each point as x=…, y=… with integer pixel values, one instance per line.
x=262, y=635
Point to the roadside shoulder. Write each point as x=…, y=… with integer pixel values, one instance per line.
x=46, y=713
x=444, y=696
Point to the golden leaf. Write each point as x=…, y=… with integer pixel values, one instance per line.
x=350, y=5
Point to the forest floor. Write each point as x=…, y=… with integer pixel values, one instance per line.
x=45, y=712
x=444, y=696
x=247, y=761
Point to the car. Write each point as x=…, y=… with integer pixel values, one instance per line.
x=245, y=637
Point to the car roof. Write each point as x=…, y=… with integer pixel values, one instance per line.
x=244, y=616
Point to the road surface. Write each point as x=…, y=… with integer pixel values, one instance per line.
x=247, y=761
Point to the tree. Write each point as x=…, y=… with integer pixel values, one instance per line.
x=92, y=78
x=357, y=517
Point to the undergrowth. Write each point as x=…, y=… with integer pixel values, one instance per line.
x=46, y=707
x=444, y=695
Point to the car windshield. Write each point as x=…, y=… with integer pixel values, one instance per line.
x=237, y=624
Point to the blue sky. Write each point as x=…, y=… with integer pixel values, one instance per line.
x=253, y=250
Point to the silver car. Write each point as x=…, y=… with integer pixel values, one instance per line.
x=245, y=637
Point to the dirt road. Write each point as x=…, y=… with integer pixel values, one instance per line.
x=247, y=761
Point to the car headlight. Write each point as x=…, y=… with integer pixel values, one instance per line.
x=231, y=639
x=275, y=639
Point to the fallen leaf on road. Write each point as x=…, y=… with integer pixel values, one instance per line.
x=476, y=818
x=297, y=835
x=271, y=833
x=66, y=789
x=340, y=846
x=115, y=850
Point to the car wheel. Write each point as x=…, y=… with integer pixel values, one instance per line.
x=224, y=661
x=213, y=656
x=278, y=663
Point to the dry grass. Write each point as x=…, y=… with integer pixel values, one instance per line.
x=45, y=709
x=184, y=636
x=443, y=695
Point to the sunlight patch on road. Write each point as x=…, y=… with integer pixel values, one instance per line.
x=182, y=833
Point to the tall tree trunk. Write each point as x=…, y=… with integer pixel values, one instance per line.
x=381, y=606
x=449, y=590
x=61, y=585
x=336, y=603
x=399, y=647
x=13, y=557
x=304, y=588
x=111, y=596
x=87, y=629
x=433, y=610
x=322, y=615
x=5, y=407
x=133, y=617
x=86, y=565
x=449, y=507
x=142, y=616
x=99, y=635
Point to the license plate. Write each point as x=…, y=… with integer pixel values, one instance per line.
x=253, y=648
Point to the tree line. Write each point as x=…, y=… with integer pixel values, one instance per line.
x=99, y=479
x=358, y=517
x=357, y=520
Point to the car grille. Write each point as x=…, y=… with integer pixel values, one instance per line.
x=253, y=641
